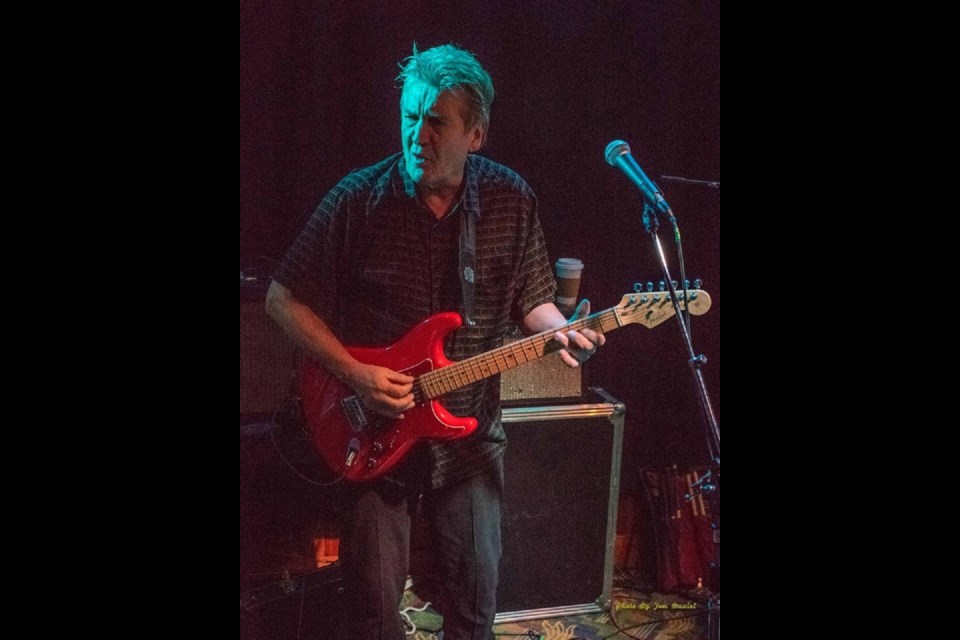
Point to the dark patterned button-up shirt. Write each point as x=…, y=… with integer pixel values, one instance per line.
x=373, y=262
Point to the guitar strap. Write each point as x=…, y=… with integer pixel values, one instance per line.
x=468, y=253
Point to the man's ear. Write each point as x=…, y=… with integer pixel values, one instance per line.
x=477, y=140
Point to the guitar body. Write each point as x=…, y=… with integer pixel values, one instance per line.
x=359, y=444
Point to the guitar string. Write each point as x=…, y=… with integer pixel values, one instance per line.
x=454, y=374
x=460, y=374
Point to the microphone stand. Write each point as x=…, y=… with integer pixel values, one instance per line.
x=651, y=224
x=695, y=362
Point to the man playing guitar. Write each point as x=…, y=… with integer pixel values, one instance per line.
x=433, y=228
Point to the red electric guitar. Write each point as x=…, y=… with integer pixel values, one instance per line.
x=358, y=444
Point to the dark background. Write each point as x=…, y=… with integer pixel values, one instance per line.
x=318, y=98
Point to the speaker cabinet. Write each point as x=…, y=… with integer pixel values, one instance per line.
x=284, y=595
x=562, y=473
x=267, y=356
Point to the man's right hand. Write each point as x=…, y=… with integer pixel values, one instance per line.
x=383, y=390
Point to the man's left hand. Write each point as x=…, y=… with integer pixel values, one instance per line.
x=579, y=345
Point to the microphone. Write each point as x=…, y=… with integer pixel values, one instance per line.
x=618, y=155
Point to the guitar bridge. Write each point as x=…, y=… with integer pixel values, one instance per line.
x=353, y=409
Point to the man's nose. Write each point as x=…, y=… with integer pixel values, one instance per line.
x=420, y=132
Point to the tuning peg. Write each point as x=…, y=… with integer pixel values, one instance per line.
x=686, y=283
x=674, y=283
x=649, y=287
x=637, y=287
x=697, y=283
x=662, y=286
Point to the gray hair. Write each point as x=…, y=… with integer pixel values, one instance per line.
x=450, y=68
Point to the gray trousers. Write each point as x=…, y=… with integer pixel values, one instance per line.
x=464, y=522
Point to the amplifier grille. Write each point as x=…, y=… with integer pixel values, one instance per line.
x=545, y=378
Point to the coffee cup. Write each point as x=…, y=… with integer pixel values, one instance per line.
x=568, y=281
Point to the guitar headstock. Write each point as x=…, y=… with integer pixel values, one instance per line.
x=650, y=308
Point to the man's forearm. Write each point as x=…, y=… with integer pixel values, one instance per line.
x=308, y=330
x=543, y=318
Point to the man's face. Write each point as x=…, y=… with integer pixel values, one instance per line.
x=435, y=137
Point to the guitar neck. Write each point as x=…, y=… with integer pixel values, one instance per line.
x=466, y=372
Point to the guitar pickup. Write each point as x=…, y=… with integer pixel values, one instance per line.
x=353, y=409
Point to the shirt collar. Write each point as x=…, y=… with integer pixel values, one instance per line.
x=403, y=186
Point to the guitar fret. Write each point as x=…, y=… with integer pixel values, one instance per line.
x=423, y=382
x=541, y=346
x=430, y=384
x=490, y=366
x=475, y=369
x=509, y=358
x=505, y=357
x=443, y=383
x=503, y=367
x=517, y=351
x=531, y=348
x=450, y=379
